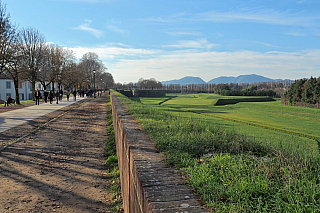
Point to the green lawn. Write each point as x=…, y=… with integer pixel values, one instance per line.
x=247, y=157
x=268, y=122
x=267, y=114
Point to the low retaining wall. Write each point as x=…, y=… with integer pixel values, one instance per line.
x=148, y=93
x=147, y=184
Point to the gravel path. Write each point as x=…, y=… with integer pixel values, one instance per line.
x=59, y=168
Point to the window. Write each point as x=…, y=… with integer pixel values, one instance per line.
x=39, y=86
x=8, y=84
x=8, y=94
x=21, y=84
x=30, y=86
x=21, y=96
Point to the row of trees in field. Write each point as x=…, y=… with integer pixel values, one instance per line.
x=142, y=84
x=26, y=56
x=304, y=92
x=249, y=92
x=273, y=89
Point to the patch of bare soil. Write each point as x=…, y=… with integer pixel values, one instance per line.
x=59, y=168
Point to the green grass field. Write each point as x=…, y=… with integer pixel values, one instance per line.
x=246, y=157
x=273, y=115
x=284, y=127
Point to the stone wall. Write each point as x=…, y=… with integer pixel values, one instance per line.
x=147, y=184
x=149, y=93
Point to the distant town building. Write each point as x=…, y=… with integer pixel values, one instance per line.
x=25, y=89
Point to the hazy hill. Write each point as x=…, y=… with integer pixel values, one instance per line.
x=241, y=79
x=222, y=80
x=186, y=80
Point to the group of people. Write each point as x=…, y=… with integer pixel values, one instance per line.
x=57, y=95
x=51, y=95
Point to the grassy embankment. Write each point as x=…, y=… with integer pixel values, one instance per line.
x=268, y=122
x=112, y=162
x=269, y=170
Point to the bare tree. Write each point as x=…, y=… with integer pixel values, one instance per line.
x=90, y=62
x=81, y=76
x=106, y=80
x=14, y=68
x=70, y=75
x=33, y=47
x=45, y=73
x=56, y=62
x=7, y=38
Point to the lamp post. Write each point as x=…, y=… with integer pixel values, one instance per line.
x=94, y=83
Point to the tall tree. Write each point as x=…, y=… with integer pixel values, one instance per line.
x=56, y=62
x=7, y=37
x=89, y=63
x=14, y=68
x=33, y=48
x=106, y=80
x=309, y=93
x=70, y=76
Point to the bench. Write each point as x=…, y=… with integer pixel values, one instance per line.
x=10, y=102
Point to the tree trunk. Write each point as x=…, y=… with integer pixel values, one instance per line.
x=33, y=83
x=16, y=87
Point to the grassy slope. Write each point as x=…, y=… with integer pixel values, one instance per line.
x=302, y=121
x=232, y=178
x=272, y=114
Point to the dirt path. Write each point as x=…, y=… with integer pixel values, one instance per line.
x=59, y=168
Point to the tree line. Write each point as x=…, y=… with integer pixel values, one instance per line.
x=273, y=89
x=303, y=92
x=26, y=56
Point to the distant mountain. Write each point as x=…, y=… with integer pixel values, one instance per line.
x=221, y=80
x=186, y=80
x=241, y=79
x=253, y=78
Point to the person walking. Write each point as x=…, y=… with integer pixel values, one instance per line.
x=74, y=95
x=45, y=94
x=57, y=96
x=68, y=94
x=51, y=95
x=61, y=94
x=37, y=95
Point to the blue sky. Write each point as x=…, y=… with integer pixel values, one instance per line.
x=171, y=39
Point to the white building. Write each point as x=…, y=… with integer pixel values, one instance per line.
x=25, y=89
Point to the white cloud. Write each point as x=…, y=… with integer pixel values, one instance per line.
x=128, y=64
x=255, y=15
x=187, y=44
x=263, y=43
x=296, y=34
x=113, y=51
x=116, y=29
x=87, y=28
x=182, y=32
x=166, y=19
x=208, y=65
x=267, y=16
